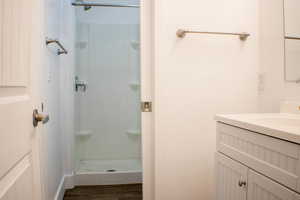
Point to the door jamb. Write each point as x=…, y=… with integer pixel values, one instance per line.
x=147, y=86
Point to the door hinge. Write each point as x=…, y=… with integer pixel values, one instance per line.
x=146, y=106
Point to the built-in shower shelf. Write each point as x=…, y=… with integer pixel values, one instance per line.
x=134, y=85
x=84, y=133
x=134, y=132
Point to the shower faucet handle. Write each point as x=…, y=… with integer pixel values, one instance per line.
x=83, y=86
x=79, y=84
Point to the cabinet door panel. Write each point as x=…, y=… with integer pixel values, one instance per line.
x=261, y=188
x=229, y=174
x=18, y=183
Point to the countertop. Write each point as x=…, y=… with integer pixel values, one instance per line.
x=280, y=125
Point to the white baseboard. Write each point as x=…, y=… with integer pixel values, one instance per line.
x=69, y=181
x=65, y=183
x=61, y=190
x=108, y=178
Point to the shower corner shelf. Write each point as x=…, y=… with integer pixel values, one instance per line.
x=84, y=133
x=134, y=132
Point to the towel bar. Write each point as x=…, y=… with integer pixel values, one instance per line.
x=292, y=38
x=181, y=33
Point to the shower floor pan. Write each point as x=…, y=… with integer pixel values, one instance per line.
x=108, y=172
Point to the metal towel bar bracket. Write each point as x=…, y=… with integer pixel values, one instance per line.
x=181, y=33
x=62, y=49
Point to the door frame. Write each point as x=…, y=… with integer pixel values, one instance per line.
x=147, y=87
x=37, y=75
x=147, y=91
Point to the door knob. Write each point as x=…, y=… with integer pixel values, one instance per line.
x=242, y=183
x=37, y=117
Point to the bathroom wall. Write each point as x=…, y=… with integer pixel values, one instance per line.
x=273, y=90
x=67, y=88
x=53, y=142
x=195, y=78
x=108, y=61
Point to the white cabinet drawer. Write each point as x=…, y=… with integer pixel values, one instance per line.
x=272, y=157
x=261, y=187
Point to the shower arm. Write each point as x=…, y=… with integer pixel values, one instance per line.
x=88, y=4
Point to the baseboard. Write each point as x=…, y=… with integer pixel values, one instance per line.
x=69, y=181
x=115, y=178
x=65, y=183
x=61, y=190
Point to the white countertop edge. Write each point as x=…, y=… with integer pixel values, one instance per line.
x=291, y=137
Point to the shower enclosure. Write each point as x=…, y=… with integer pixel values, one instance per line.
x=107, y=100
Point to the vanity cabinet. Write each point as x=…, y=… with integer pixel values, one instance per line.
x=235, y=181
x=253, y=166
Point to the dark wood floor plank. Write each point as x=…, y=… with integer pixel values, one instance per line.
x=107, y=192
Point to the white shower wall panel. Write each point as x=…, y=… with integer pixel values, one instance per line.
x=108, y=60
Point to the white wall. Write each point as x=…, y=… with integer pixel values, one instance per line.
x=271, y=47
x=67, y=87
x=200, y=75
x=54, y=142
x=195, y=78
x=108, y=60
x=51, y=145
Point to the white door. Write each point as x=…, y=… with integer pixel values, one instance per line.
x=261, y=187
x=231, y=179
x=19, y=168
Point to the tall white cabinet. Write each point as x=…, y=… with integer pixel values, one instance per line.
x=248, y=166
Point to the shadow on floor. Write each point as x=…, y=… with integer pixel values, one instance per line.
x=105, y=192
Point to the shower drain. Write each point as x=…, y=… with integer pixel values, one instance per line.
x=111, y=170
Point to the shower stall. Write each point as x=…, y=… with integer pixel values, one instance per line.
x=107, y=99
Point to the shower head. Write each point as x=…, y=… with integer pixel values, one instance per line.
x=86, y=8
x=88, y=5
x=81, y=3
